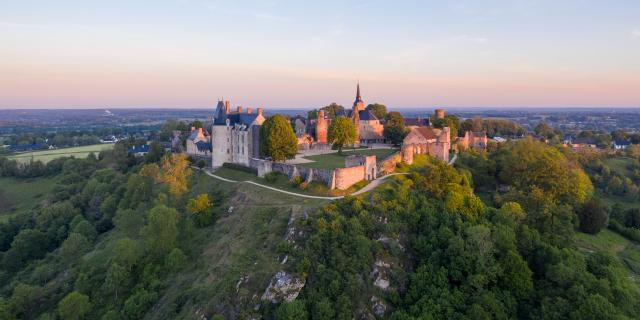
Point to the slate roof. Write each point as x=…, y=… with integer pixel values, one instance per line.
x=583, y=141
x=139, y=149
x=622, y=142
x=367, y=115
x=203, y=146
x=236, y=118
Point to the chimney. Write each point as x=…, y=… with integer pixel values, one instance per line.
x=239, y=109
x=226, y=106
x=259, y=111
x=193, y=129
x=321, y=114
x=248, y=110
x=199, y=131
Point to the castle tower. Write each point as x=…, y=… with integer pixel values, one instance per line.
x=439, y=113
x=321, y=128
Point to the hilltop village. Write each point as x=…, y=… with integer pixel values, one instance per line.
x=233, y=137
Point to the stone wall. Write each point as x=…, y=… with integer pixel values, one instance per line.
x=292, y=170
x=388, y=165
x=346, y=177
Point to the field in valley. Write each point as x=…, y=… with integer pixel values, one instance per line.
x=48, y=155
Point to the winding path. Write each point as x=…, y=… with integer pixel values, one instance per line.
x=372, y=185
x=366, y=188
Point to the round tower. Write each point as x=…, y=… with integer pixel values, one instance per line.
x=439, y=113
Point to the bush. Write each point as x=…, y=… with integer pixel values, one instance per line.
x=271, y=177
x=296, y=181
x=593, y=217
x=201, y=164
x=629, y=233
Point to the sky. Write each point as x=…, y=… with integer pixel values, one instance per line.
x=306, y=54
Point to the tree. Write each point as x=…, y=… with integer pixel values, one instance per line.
x=175, y=259
x=24, y=300
x=341, y=132
x=127, y=253
x=200, y=208
x=394, y=129
x=293, y=310
x=632, y=218
x=544, y=130
x=593, y=216
x=74, y=306
x=175, y=171
x=379, y=110
x=450, y=121
x=332, y=110
x=277, y=139
x=161, y=231
x=29, y=244
x=155, y=152
x=75, y=246
x=116, y=279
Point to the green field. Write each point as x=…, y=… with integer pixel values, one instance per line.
x=627, y=252
x=48, y=155
x=21, y=195
x=334, y=160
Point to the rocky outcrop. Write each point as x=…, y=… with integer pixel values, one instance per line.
x=283, y=287
x=380, y=274
x=377, y=306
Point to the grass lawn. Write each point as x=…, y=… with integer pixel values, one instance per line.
x=334, y=160
x=315, y=188
x=48, y=155
x=627, y=252
x=21, y=195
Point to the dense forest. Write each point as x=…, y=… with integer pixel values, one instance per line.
x=120, y=237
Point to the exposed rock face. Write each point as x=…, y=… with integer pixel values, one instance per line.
x=378, y=307
x=283, y=287
x=379, y=273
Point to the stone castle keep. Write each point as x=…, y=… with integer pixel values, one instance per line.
x=235, y=138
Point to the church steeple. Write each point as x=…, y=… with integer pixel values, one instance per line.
x=358, y=97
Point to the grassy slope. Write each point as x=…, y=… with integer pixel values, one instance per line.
x=241, y=245
x=626, y=251
x=24, y=194
x=334, y=160
x=48, y=155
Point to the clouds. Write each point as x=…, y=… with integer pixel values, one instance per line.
x=635, y=34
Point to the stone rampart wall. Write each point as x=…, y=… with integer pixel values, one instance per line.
x=346, y=177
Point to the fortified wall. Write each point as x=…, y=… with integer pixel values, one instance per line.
x=357, y=168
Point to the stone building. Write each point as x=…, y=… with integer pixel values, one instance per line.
x=235, y=135
x=427, y=140
x=474, y=139
x=368, y=127
x=198, y=143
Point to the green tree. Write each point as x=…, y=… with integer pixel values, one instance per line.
x=593, y=216
x=127, y=253
x=341, y=132
x=74, y=306
x=277, y=139
x=175, y=260
x=394, y=129
x=161, y=231
x=75, y=246
x=294, y=310
x=116, y=280
x=332, y=110
x=379, y=110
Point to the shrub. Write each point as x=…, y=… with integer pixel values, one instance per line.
x=593, y=217
x=296, y=181
x=271, y=177
x=201, y=163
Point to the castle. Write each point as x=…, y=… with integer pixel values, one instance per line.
x=236, y=135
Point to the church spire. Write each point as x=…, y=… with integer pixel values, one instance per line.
x=358, y=97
